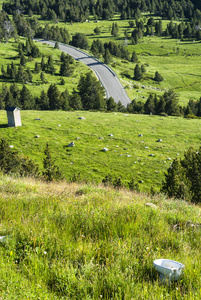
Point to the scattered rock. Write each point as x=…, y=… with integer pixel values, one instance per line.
x=37, y=136
x=105, y=149
x=151, y=154
x=140, y=135
x=128, y=155
x=37, y=119
x=159, y=140
x=110, y=134
x=100, y=138
x=146, y=147
x=59, y=125
x=11, y=146
x=140, y=181
x=81, y=118
x=78, y=138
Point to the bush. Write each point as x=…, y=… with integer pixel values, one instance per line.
x=183, y=178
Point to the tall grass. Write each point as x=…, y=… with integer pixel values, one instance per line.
x=89, y=242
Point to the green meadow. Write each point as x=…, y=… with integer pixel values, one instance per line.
x=129, y=155
x=77, y=241
x=9, y=53
x=177, y=61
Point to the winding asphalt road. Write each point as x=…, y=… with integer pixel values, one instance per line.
x=107, y=77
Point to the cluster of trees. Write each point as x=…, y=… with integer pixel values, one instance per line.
x=74, y=11
x=29, y=48
x=90, y=95
x=165, y=104
x=17, y=74
x=7, y=28
x=139, y=71
x=11, y=162
x=193, y=108
x=55, y=33
x=186, y=30
x=108, y=49
x=183, y=178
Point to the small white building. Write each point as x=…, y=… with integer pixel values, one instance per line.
x=13, y=115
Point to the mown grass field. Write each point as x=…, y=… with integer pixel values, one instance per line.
x=89, y=242
x=128, y=155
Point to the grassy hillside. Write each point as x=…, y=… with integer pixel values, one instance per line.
x=129, y=155
x=177, y=61
x=90, y=242
x=9, y=53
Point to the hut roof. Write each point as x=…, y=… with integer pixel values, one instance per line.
x=12, y=108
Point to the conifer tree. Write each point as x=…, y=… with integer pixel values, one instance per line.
x=158, y=77
x=137, y=72
x=134, y=57
x=51, y=171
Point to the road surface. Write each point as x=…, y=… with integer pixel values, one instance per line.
x=107, y=77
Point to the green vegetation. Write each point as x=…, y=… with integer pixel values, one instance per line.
x=129, y=155
x=183, y=177
x=77, y=241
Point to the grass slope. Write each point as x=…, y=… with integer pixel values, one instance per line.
x=89, y=242
x=177, y=61
x=128, y=155
x=9, y=52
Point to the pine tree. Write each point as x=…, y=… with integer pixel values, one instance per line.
x=75, y=101
x=50, y=65
x=37, y=68
x=26, y=99
x=42, y=77
x=44, y=101
x=23, y=60
x=158, y=77
x=111, y=105
x=137, y=72
x=115, y=29
x=107, y=56
x=149, y=106
x=51, y=171
x=56, y=45
x=134, y=57
x=43, y=65
x=91, y=92
x=54, y=97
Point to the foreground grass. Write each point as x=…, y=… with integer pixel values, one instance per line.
x=128, y=155
x=83, y=241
